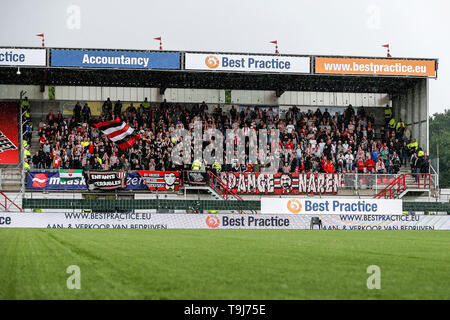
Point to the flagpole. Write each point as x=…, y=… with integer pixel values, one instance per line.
x=42, y=36
x=388, y=52
x=160, y=42
x=275, y=42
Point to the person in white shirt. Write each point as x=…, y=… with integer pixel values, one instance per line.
x=321, y=145
x=349, y=161
x=345, y=146
x=351, y=127
x=313, y=143
x=298, y=155
x=340, y=162
x=290, y=127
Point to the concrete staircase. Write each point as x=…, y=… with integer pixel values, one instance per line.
x=209, y=191
x=10, y=178
x=35, y=136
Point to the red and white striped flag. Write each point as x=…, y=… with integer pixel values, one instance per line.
x=119, y=132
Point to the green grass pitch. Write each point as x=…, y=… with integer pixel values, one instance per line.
x=223, y=264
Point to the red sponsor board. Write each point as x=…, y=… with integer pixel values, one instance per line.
x=161, y=180
x=282, y=183
x=9, y=133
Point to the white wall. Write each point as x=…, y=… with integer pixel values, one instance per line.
x=210, y=96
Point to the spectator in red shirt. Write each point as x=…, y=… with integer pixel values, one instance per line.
x=329, y=167
x=361, y=166
x=289, y=145
x=370, y=165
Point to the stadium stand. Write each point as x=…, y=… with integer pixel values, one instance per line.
x=309, y=141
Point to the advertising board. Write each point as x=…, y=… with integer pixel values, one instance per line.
x=249, y=63
x=372, y=66
x=114, y=59
x=23, y=57
x=136, y=220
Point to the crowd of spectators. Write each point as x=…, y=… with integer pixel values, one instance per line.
x=312, y=141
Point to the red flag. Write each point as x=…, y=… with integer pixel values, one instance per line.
x=275, y=42
x=119, y=132
x=385, y=45
x=40, y=35
x=159, y=38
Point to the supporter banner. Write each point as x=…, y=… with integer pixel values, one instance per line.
x=70, y=173
x=161, y=180
x=372, y=66
x=282, y=183
x=330, y=206
x=99, y=220
x=197, y=177
x=53, y=181
x=105, y=180
x=22, y=57
x=253, y=63
x=115, y=59
x=9, y=138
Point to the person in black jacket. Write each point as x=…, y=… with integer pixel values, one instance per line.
x=405, y=153
x=36, y=160
x=86, y=113
x=425, y=164
x=77, y=112
x=107, y=109
x=118, y=109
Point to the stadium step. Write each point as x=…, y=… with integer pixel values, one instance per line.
x=10, y=179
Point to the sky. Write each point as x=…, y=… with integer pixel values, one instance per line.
x=412, y=28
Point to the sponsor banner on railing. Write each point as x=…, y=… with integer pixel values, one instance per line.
x=105, y=180
x=197, y=177
x=9, y=138
x=251, y=63
x=161, y=180
x=23, y=57
x=115, y=59
x=282, y=183
x=53, y=181
x=330, y=206
x=100, y=220
x=373, y=66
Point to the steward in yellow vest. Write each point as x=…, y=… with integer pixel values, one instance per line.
x=387, y=113
x=413, y=145
x=217, y=166
x=25, y=104
x=196, y=165
x=145, y=104
x=392, y=123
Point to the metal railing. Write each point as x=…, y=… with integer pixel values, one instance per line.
x=422, y=181
x=6, y=203
x=224, y=191
x=350, y=181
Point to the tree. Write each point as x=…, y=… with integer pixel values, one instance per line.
x=440, y=142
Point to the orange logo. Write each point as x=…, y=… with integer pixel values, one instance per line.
x=294, y=206
x=212, y=221
x=212, y=62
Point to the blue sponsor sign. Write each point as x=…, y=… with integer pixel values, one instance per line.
x=115, y=59
x=52, y=181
